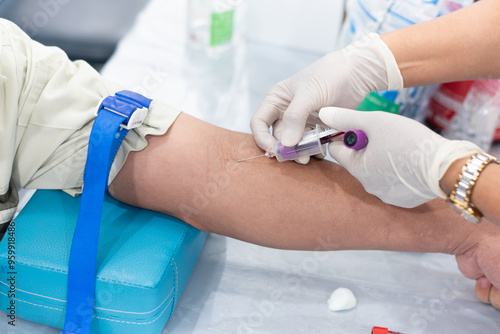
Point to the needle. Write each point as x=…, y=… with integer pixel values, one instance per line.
x=262, y=155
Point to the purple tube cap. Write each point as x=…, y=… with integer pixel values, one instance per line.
x=355, y=139
x=286, y=153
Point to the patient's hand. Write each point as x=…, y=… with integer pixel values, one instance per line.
x=482, y=263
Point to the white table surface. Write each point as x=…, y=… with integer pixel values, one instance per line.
x=238, y=287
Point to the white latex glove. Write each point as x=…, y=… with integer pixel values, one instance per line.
x=341, y=78
x=403, y=161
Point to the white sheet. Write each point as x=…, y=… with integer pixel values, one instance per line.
x=237, y=287
x=242, y=288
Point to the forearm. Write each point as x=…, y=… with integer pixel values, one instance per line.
x=454, y=47
x=485, y=194
x=190, y=173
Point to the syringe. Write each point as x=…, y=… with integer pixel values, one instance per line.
x=313, y=142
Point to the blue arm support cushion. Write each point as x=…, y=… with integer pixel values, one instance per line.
x=143, y=264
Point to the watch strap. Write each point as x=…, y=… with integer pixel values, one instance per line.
x=460, y=196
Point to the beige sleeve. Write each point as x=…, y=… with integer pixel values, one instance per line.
x=49, y=102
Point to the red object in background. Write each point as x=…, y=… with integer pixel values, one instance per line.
x=496, y=135
x=446, y=101
x=382, y=330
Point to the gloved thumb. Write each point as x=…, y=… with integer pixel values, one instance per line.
x=343, y=119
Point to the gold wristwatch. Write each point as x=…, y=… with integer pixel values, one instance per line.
x=459, y=198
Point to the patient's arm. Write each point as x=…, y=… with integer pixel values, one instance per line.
x=190, y=173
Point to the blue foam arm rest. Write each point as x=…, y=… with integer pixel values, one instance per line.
x=144, y=261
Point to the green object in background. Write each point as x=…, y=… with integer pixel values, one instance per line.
x=374, y=102
x=221, y=28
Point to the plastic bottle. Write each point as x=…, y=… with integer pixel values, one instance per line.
x=212, y=24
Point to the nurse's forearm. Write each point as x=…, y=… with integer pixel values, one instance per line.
x=190, y=173
x=462, y=45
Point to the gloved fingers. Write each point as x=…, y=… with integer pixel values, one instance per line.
x=344, y=119
x=278, y=131
x=305, y=159
x=263, y=137
x=319, y=156
x=314, y=120
x=270, y=111
x=341, y=154
x=295, y=119
x=311, y=123
x=260, y=125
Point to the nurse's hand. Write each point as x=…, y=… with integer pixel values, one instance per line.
x=403, y=161
x=481, y=262
x=341, y=78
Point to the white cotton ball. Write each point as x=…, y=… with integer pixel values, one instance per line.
x=341, y=299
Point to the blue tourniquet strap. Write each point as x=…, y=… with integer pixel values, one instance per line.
x=116, y=115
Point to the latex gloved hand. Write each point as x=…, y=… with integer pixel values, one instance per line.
x=342, y=78
x=403, y=161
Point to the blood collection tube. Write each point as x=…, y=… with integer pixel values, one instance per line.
x=313, y=142
x=310, y=144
